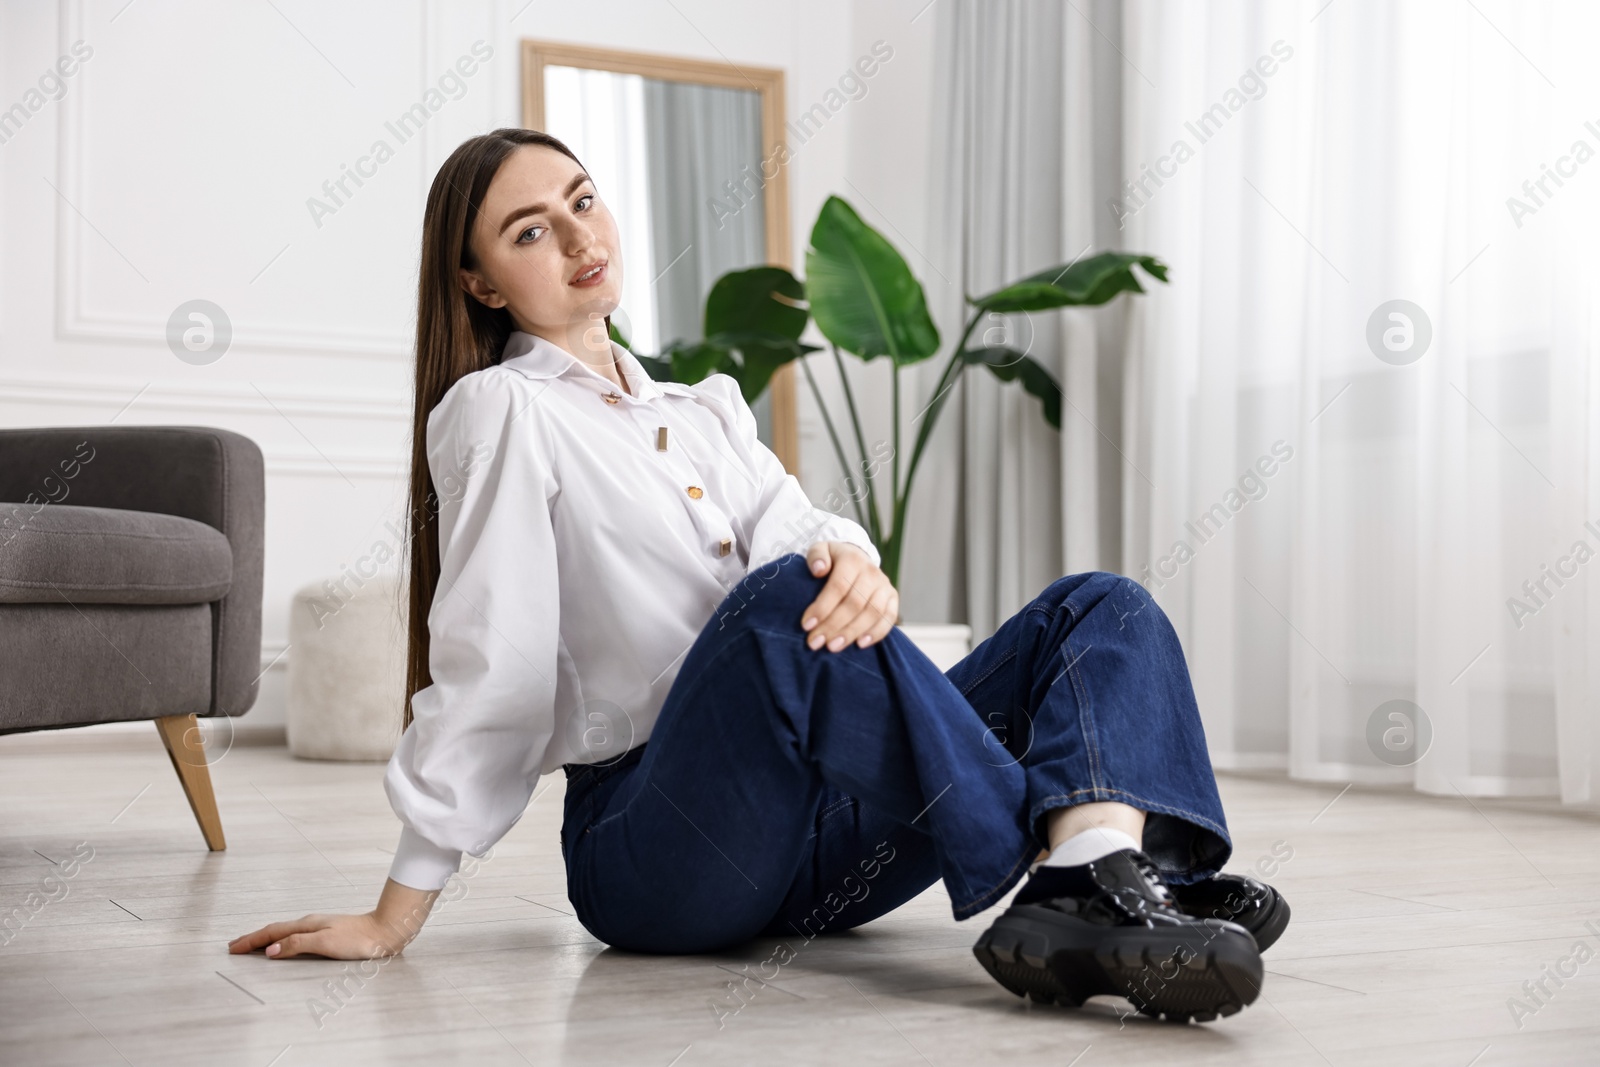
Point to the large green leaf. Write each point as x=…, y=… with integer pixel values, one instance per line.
x=862, y=294
x=1009, y=365
x=691, y=361
x=1086, y=282
x=756, y=317
x=748, y=358
x=758, y=357
x=759, y=300
x=753, y=322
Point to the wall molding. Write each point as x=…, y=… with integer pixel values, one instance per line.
x=74, y=326
x=199, y=404
x=233, y=396
x=74, y=323
x=334, y=465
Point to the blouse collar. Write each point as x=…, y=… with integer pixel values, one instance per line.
x=537, y=357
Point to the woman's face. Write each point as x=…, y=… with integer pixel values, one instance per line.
x=540, y=227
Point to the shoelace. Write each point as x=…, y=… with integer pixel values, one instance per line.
x=1152, y=874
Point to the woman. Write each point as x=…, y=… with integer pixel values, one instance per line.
x=623, y=582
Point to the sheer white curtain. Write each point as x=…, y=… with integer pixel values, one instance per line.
x=1334, y=520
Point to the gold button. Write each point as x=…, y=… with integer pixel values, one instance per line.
x=612, y=398
x=695, y=491
x=661, y=439
x=725, y=547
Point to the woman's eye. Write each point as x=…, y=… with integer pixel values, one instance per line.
x=530, y=229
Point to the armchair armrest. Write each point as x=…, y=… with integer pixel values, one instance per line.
x=210, y=475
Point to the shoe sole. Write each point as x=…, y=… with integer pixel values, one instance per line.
x=1041, y=954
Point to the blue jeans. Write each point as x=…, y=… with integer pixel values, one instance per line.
x=786, y=790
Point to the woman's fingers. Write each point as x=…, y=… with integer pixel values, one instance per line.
x=310, y=942
x=259, y=938
x=859, y=631
x=861, y=611
x=857, y=604
x=842, y=599
x=843, y=568
x=338, y=937
x=245, y=943
x=885, y=621
x=273, y=932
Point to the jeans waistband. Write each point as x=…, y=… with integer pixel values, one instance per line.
x=605, y=768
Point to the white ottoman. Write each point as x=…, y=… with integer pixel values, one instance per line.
x=347, y=670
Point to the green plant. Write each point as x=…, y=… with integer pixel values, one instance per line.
x=865, y=301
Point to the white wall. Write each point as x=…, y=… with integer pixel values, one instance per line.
x=178, y=162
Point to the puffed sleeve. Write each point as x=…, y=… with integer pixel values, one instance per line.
x=464, y=769
x=785, y=520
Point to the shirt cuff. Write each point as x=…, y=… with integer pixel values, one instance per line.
x=838, y=528
x=421, y=864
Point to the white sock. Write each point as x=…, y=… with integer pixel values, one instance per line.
x=1086, y=846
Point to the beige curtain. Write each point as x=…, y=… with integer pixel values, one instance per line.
x=1025, y=146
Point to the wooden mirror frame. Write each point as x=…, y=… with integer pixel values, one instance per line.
x=768, y=81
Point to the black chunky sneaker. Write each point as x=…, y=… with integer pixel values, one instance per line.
x=1237, y=898
x=1110, y=927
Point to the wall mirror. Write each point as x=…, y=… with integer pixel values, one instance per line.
x=675, y=148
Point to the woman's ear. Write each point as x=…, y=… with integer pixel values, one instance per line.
x=479, y=289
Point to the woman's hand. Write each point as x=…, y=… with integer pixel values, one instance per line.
x=858, y=604
x=384, y=931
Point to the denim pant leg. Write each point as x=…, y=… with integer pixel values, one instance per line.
x=858, y=865
x=696, y=845
x=1088, y=690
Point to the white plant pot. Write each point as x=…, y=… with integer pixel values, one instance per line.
x=944, y=643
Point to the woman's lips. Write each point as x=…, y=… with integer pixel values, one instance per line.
x=593, y=279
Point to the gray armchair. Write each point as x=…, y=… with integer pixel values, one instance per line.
x=130, y=584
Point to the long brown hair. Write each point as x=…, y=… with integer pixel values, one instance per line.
x=456, y=335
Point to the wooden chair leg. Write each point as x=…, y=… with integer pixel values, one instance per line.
x=185, y=746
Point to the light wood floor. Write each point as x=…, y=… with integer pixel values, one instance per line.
x=1416, y=920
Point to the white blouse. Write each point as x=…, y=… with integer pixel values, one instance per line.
x=586, y=537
